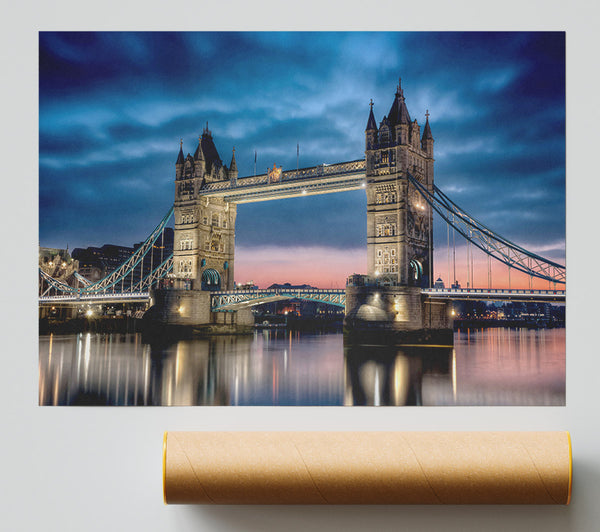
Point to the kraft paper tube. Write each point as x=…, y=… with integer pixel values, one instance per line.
x=367, y=467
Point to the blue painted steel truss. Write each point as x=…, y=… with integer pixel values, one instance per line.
x=224, y=301
x=118, y=276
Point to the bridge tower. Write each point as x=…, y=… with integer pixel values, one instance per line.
x=204, y=242
x=203, y=248
x=388, y=300
x=399, y=221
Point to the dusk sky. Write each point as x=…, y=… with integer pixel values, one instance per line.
x=113, y=107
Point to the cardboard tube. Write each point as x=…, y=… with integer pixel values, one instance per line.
x=367, y=468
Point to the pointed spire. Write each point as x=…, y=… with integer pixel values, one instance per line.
x=180, y=159
x=427, y=130
x=404, y=116
x=198, y=155
x=233, y=165
x=398, y=112
x=371, y=124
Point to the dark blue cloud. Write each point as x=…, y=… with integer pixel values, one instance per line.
x=114, y=105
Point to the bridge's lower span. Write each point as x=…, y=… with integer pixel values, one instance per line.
x=98, y=299
x=494, y=294
x=241, y=299
x=224, y=301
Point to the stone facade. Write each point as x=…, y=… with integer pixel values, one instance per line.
x=203, y=247
x=204, y=243
x=399, y=221
x=191, y=308
x=399, y=307
x=387, y=304
x=396, y=314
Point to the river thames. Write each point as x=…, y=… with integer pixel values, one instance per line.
x=496, y=366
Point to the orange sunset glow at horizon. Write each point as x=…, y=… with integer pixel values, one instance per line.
x=327, y=267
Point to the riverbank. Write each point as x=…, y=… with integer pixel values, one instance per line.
x=117, y=324
x=130, y=324
x=513, y=324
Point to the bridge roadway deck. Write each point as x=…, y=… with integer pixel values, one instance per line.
x=238, y=299
x=99, y=299
x=320, y=179
x=502, y=294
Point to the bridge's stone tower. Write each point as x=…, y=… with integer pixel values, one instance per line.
x=399, y=221
x=203, y=248
x=203, y=254
x=388, y=301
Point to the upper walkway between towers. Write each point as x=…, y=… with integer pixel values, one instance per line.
x=274, y=184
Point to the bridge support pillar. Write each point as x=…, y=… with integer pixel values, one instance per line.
x=399, y=314
x=191, y=309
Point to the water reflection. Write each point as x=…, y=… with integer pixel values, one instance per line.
x=392, y=376
x=268, y=368
x=485, y=367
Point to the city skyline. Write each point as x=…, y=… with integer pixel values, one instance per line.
x=113, y=107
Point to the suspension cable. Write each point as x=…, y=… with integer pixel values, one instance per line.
x=495, y=245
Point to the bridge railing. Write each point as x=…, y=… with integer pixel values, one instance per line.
x=109, y=296
x=508, y=294
x=279, y=291
x=517, y=291
x=226, y=299
x=322, y=170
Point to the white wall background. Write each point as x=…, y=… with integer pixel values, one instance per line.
x=98, y=469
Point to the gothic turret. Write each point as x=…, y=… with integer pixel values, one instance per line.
x=233, y=169
x=371, y=131
x=212, y=160
x=199, y=166
x=180, y=161
x=233, y=165
x=399, y=117
x=427, y=140
x=371, y=124
x=399, y=112
x=198, y=155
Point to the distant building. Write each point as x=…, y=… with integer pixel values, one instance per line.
x=246, y=286
x=47, y=255
x=59, y=264
x=289, y=286
x=98, y=262
x=439, y=283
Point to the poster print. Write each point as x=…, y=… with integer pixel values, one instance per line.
x=302, y=218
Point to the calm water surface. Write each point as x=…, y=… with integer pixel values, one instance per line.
x=485, y=367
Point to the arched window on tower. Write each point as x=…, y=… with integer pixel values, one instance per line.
x=384, y=134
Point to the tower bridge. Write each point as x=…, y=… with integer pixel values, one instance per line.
x=397, y=174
